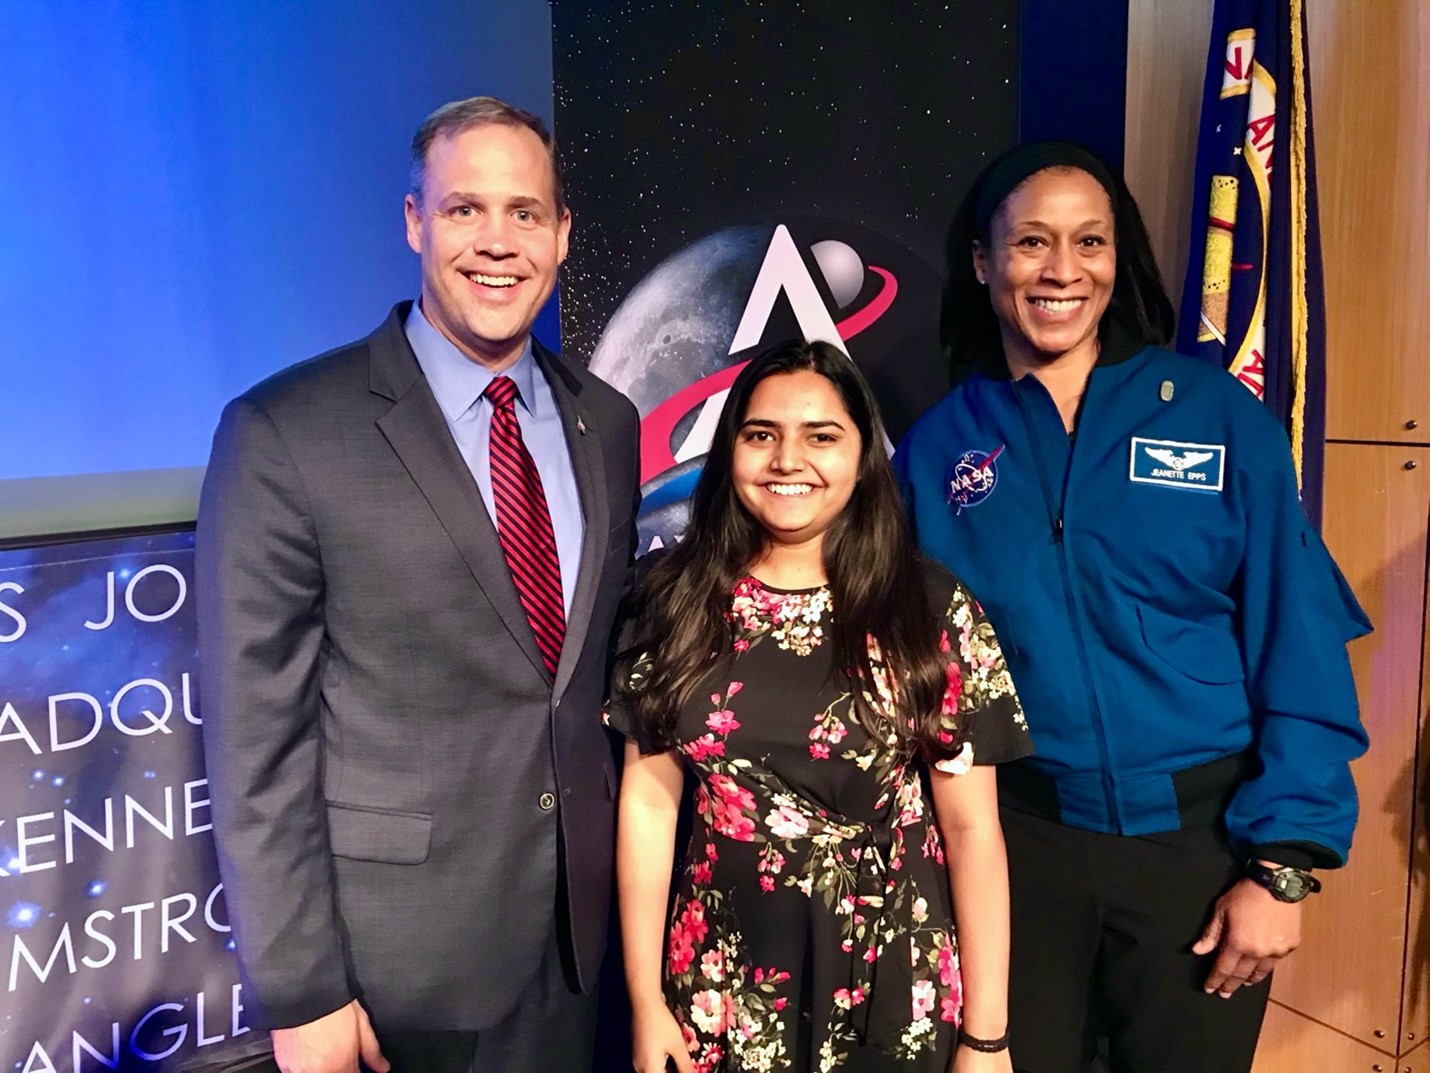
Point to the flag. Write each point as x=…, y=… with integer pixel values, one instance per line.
x=1254, y=300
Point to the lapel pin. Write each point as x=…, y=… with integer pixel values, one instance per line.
x=1167, y=389
x=580, y=425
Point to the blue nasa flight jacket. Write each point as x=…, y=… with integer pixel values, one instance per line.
x=1175, y=628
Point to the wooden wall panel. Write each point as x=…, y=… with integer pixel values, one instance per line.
x=1370, y=80
x=1348, y=972
x=1365, y=964
x=1415, y=1010
x=1290, y=1041
x=1166, y=62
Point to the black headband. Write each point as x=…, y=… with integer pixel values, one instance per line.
x=1018, y=164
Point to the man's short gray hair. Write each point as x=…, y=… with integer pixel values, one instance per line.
x=455, y=117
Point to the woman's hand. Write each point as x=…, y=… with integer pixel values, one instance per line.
x=655, y=1037
x=967, y=1060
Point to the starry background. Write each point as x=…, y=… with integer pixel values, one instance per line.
x=676, y=119
x=64, y=587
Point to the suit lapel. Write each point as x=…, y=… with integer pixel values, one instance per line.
x=418, y=433
x=583, y=441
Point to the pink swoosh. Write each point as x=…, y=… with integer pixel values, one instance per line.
x=659, y=424
x=852, y=325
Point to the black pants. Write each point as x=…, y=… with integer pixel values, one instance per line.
x=1102, y=929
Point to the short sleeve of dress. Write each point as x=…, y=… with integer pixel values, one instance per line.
x=631, y=665
x=982, y=717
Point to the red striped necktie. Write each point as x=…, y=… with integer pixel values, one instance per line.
x=528, y=539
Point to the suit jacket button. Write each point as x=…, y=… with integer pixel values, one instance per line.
x=547, y=802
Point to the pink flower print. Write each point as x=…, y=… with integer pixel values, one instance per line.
x=836, y=732
x=729, y=806
x=703, y=747
x=712, y=1012
x=954, y=690
x=767, y=883
x=771, y=861
x=712, y=966
x=842, y=999
x=681, y=950
x=943, y=642
x=819, y=751
x=686, y=933
x=735, y=687
x=742, y=645
x=701, y=874
x=781, y=1003
x=948, y=1010
x=947, y=966
x=722, y=721
x=787, y=822
x=693, y=920
x=923, y=998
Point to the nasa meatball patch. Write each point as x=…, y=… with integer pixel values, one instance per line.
x=1196, y=467
x=972, y=478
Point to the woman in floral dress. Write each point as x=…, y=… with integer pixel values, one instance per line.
x=839, y=702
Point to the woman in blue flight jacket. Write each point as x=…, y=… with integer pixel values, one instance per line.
x=1129, y=518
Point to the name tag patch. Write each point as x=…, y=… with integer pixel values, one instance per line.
x=1198, y=467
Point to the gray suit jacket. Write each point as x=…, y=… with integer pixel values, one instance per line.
x=393, y=772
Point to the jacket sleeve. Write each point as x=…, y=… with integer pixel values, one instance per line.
x=1296, y=615
x=260, y=602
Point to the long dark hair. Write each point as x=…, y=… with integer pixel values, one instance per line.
x=876, y=579
x=1140, y=311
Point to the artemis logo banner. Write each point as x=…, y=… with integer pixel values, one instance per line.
x=114, y=942
x=744, y=175
x=677, y=342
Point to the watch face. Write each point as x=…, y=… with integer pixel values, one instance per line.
x=1293, y=885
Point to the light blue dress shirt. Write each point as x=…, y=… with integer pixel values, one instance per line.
x=458, y=384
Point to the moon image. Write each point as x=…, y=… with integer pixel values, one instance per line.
x=676, y=325
x=674, y=328
x=843, y=269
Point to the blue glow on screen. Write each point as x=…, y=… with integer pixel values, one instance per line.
x=198, y=194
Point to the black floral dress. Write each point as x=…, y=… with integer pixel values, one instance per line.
x=812, y=927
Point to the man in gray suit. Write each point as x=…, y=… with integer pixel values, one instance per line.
x=410, y=553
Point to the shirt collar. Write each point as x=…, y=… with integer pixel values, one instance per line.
x=458, y=382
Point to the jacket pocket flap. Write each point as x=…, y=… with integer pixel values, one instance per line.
x=370, y=834
x=1202, y=653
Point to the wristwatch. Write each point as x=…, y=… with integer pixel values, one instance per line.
x=1286, y=884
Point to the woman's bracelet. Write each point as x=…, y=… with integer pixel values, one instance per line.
x=987, y=1046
